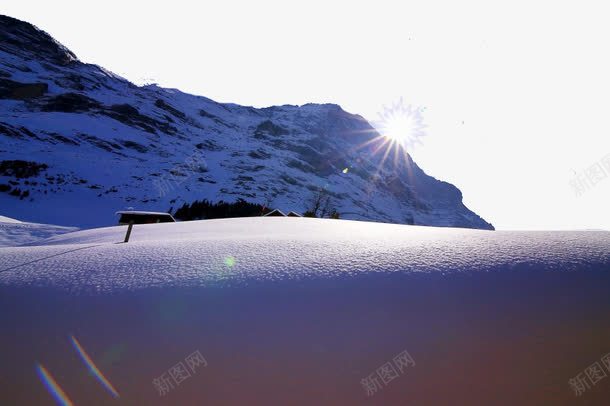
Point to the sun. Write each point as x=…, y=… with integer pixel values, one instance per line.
x=399, y=128
x=401, y=124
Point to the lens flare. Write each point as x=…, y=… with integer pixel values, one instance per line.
x=92, y=368
x=391, y=138
x=230, y=262
x=58, y=394
x=402, y=124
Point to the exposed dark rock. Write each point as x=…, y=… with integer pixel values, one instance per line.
x=10, y=89
x=249, y=168
x=21, y=169
x=129, y=115
x=399, y=189
x=204, y=113
x=208, y=145
x=28, y=133
x=70, y=103
x=216, y=119
x=14, y=132
x=50, y=67
x=100, y=143
x=267, y=127
x=259, y=154
x=323, y=164
x=293, y=163
x=9, y=131
x=62, y=139
x=124, y=109
x=170, y=109
x=289, y=179
x=72, y=81
x=133, y=145
x=24, y=40
x=244, y=178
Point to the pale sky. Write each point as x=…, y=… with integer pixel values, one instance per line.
x=517, y=94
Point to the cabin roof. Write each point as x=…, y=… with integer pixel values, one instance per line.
x=143, y=213
x=275, y=212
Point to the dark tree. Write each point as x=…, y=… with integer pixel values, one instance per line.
x=321, y=205
x=204, y=209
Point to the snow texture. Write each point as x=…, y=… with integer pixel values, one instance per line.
x=253, y=250
x=14, y=232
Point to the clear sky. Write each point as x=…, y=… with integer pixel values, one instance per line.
x=516, y=94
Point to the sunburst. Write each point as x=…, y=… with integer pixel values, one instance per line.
x=400, y=127
x=402, y=124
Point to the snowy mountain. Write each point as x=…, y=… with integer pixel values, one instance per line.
x=78, y=142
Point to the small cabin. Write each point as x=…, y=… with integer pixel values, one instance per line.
x=293, y=214
x=275, y=213
x=144, y=217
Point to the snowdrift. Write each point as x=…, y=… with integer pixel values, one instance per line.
x=300, y=311
x=14, y=232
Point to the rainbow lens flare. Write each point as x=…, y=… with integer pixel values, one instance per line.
x=93, y=368
x=52, y=386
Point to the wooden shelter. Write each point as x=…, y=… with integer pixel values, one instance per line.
x=144, y=217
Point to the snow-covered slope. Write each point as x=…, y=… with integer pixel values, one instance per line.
x=299, y=311
x=14, y=232
x=78, y=143
x=260, y=248
x=4, y=219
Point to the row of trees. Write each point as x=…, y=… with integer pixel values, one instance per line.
x=204, y=209
x=319, y=205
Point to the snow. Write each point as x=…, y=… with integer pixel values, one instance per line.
x=330, y=301
x=286, y=310
x=14, y=232
x=277, y=248
x=4, y=219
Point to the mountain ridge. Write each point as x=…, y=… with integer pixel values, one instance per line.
x=79, y=142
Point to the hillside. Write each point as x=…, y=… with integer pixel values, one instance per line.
x=78, y=143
